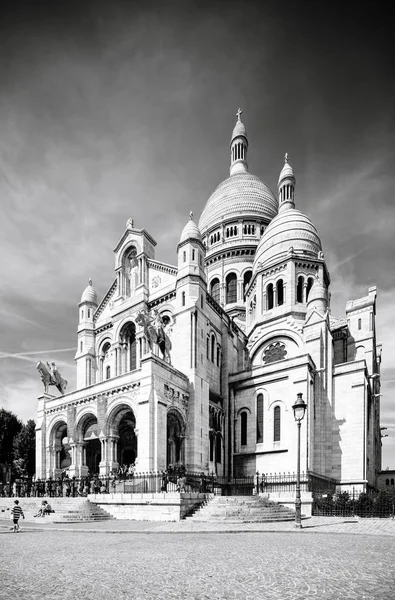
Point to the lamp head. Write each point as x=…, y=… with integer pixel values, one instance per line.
x=299, y=407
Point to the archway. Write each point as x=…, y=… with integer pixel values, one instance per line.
x=60, y=445
x=121, y=429
x=175, y=439
x=127, y=442
x=92, y=444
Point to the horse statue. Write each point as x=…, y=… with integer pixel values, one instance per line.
x=51, y=376
x=154, y=331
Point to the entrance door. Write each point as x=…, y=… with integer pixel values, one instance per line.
x=93, y=456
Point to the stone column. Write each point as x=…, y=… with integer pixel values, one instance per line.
x=73, y=468
x=240, y=291
x=136, y=462
x=103, y=465
x=222, y=293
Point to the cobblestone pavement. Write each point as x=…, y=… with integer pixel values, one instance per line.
x=65, y=565
x=351, y=526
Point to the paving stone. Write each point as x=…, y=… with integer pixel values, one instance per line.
x=63, y=565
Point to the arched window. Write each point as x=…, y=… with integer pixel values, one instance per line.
x=218, y=355
x=183, y=298
x=392, y=481
x=246, y=280
x=387, y=482
x=89, y=313
x=269, y=296
x=208, y=348
x=108, y=372
x=299, y=289
x=310, y=282
x=128, y=340
x=211, y=446
x=280, y=292
x=82, y=314
x=212, y=348
x=359, y=323
x=259, y=419
x=231, y=288
x=243, y=428
x=215, y=290
x=184, y=256
x=218, y=448
x=277, y=424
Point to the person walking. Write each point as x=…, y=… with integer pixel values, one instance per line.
x=16, y=514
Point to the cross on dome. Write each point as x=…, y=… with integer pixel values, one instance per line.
x=238, y=114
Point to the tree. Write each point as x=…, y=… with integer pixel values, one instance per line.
x=10, y=426
x=25, y=449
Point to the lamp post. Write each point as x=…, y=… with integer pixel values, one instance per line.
x=299, y=409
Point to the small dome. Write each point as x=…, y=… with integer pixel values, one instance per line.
x=290, y=231
x=190, y=231
x=239, y=130
x=240, y=195
x=89, y=294
x=317, y=292
x=287, y=172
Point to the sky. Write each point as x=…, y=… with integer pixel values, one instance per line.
x=111, y=110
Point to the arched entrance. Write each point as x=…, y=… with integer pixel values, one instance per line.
x=122, y=425
x=90, y=436
x=127, y=443
x=61, y=458
x=175, y=438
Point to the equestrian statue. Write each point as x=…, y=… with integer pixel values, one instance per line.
x=51, y=376
x=154, y=331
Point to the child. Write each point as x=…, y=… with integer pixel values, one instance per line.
x=16, y=512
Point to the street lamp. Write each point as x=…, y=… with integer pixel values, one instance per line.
x=299, y=409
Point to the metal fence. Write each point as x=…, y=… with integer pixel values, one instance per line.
x=286, y=482
x=367, y=505
x=148, y=482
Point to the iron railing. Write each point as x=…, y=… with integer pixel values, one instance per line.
x=286, y=482
x=344, y=504
x=147, y=482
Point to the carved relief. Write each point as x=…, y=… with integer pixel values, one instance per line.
x=274, y=352
x=175, y=396
x=156, y=281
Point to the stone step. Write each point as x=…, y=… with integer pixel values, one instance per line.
x=241, y=509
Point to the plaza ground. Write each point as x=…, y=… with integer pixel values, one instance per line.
x=328, y=559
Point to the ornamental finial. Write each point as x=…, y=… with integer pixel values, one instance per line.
x=286, y=157
x=238, y=114
x=90, y=281
x=191, y=215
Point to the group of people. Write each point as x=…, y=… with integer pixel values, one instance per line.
x=64, y=486
x=125, y=471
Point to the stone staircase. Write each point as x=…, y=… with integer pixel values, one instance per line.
x=241, y=509
x=82, y=511
x=67, y=510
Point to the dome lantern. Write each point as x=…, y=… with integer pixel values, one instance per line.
x=286, y=186
x=89, y=294
x=238, y=147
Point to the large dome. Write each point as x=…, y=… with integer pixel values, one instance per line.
x=241, y=194
x=290, y=230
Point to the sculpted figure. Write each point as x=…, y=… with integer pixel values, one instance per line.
x=51, y=376
x=154, y=332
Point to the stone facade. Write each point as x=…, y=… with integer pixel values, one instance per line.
x=200, y=363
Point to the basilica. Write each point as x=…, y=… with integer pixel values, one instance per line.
x=200, y=363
